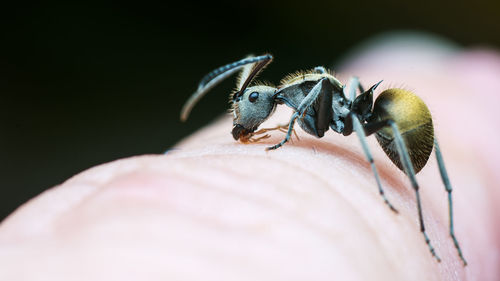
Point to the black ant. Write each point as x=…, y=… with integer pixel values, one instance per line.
x=399, y=119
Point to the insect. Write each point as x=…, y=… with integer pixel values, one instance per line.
x=400, y=121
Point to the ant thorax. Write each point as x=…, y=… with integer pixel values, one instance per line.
x=295, y=87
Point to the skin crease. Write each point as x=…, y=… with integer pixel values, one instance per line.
x=216, y=209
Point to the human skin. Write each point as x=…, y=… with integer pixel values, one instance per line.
x=216, y=209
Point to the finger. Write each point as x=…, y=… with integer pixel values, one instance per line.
x=459, y=88
x=224, y=210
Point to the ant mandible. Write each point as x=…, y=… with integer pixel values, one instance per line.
x=400, y=120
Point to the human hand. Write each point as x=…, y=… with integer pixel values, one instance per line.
x=216, y=209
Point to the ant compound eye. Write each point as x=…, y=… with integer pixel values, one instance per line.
x=253, y=97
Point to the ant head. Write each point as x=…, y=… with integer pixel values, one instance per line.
x=251, y=67
x=251, y=105
x=250, y=109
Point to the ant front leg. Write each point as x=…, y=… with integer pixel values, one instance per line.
x=254, y=139
x=282, y=128
x=323, y=118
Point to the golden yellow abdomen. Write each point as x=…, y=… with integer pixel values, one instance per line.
x=414, y=122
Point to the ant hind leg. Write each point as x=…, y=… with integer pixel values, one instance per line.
x=447, y=185
x=410, y=172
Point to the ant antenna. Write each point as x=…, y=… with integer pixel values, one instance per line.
x=256, y=69
x=216, y=76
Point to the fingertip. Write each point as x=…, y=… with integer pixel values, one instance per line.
x=398, y=51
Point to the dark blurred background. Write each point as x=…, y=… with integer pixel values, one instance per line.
x=84, y=83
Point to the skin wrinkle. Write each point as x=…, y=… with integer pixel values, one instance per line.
x=248, y=260
x=338, y=148
x=185, y=177
x=366, y=219
x=292, y=218
x=326, y=183
x=84, y=179
x=238, y=263
x=209, y=251
x=41, y=225
x=323, y=183
x=391, y=177
x=260, y=201
x=285, y=165
x=89, y=179
x=197, y=184
x=107, y=171
x=305, y=222
x=395, y=181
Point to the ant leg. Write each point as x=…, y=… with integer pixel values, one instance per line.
x=281, y=128
x=288, y=134
x=255, y=139
x=410, y=172
x=284, y=129
x=323, y=119
x=447, y=184
x=360, y=132
x=354, y=84
x=361, y=88
x=265, y=130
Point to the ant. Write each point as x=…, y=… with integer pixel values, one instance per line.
x=400, y=120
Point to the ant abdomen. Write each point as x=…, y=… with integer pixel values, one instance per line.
x=414, y=122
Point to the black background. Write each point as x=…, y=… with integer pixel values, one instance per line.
x=84, y=83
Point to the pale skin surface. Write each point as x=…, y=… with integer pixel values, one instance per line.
x=216, y=209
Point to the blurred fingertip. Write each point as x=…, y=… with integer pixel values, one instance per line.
x=398, y=50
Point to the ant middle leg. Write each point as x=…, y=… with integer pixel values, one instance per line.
x=288, y=134
x=360, y=132
x=320, y=93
